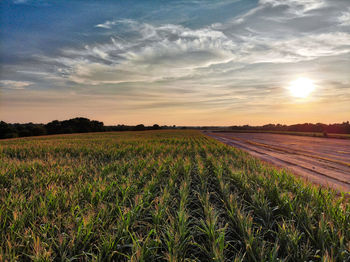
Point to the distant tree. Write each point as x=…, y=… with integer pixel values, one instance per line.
x=54, y=127
x=139, y=127
x=39, y=130
x=155, y=127
x=7, y=131
x=74, y=125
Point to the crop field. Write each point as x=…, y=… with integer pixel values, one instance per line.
x=160, y=196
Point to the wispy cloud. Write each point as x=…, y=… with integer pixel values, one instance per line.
x=20, y=1
x=154, y=53
x=344, y=18
x=296, y=6
x=10, y=84
x=172, y=51
x=107, y=24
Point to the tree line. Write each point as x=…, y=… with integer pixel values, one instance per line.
x=340, y=128
x=84, y=125
x=74, y=125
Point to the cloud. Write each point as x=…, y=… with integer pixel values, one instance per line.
x=153, y=53
x=146, y=53
x=344, y=19
x=20, y=1
x=10, y=84
x=31, y=2
x=296, y=6
x=107, y=24
x=279, y=11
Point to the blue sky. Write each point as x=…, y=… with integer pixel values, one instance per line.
x=174, y=62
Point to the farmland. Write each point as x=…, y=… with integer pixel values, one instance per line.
x=160, y=196
x=293, y=133
x=321, y=161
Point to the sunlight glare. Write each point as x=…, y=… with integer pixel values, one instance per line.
x=301, y=87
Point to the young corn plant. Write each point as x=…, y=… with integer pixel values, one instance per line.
x=213, y=230
x=177, y=234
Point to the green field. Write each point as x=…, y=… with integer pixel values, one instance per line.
x=159, y=196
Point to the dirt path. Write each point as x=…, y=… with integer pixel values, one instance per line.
x=319, y=160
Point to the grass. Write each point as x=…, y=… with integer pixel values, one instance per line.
x=159, y=196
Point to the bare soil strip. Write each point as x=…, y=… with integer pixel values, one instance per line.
x=318, y=160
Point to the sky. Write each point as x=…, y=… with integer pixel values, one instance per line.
x=179, y=62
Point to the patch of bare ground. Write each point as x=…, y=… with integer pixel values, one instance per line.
x=322, y=161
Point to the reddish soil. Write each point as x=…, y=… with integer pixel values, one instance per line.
x=324, y=161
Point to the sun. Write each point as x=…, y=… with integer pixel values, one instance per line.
x=301, y=87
